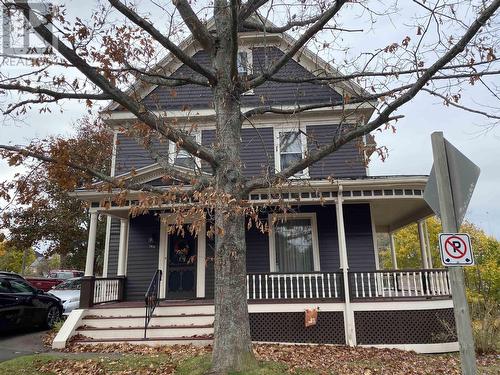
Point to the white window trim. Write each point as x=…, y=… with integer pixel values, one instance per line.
x=272, y=242
x=172, y=152
x=277, y=149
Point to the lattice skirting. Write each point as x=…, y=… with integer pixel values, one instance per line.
x=405, y=327
x=289, y=327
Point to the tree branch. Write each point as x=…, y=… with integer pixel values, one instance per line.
x=89, y=171
x=164, y=41
x=385, y=115
x=448, y=101
x=279, y=29
x=197, y=28
x=168, y=81
x=250, y=7
x=138, y=109
x=304, y=38
x=54, y=94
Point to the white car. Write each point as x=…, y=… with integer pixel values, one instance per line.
x=69, y=293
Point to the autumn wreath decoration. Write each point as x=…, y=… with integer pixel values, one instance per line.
x=182, y=250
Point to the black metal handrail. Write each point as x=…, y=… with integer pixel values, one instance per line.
x=152, y=299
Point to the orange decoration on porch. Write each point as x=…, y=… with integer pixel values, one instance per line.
x=311, y=317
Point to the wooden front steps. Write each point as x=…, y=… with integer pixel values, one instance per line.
x=172, y=324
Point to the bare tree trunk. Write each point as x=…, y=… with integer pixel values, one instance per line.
x=232, y=342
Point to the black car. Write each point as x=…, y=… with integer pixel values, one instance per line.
x=9, y=274
x=23, y=306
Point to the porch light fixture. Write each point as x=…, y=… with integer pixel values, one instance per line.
x=152, y=241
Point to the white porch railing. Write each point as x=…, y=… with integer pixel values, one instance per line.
x=314, y=285
x=107, y=290
x=395, y=283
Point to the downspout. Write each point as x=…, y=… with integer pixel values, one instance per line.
x=350, y=331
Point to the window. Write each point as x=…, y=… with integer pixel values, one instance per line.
x=181, y=157
x=70, y=285
x=293, y=243
x=15, y=286
x=244, y=62
x=290, y=148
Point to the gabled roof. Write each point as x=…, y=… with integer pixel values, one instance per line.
x=305, y=57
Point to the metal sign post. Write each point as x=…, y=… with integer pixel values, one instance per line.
x=451, y=213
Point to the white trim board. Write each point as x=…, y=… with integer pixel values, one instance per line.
x=294, y=307
x=445, y=347
x=403, y=305
x=292, y=216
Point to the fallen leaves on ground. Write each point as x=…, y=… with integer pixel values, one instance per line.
x=97, y=367
x=323, y=359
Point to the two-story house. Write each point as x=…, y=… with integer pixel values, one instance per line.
x=322, y=256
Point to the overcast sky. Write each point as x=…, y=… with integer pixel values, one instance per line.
x=409, y=148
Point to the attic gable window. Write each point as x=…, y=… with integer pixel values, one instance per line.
x=180, y=157
x=290, y=148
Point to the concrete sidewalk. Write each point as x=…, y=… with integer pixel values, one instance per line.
x=21, y=343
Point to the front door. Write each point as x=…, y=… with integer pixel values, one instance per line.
x=181, y=266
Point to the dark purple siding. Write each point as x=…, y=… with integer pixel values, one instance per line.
x=196, y=97
x=143, y=260
x=359, y=237
x=131, y=155
x=345, y=162
x=257, y=151
x=114, y=242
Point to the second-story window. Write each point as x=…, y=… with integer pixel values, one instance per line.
x=244, y=62
x=290, y=149
x=182, y=158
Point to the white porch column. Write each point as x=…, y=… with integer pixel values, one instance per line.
x=423, y=251
x=89, y=264
x=123, y=248
x=200, y=262
x=428, y=245
x=350, y=330
x=392, y=244
x=106, y=247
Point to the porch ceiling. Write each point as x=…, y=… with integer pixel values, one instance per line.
x=389, y=215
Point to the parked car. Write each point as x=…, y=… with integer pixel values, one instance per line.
x=69, y=293
x=56, y=277
x=11, y=274
x=22, y=306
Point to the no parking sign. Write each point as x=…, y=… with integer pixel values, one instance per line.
x=455, y=249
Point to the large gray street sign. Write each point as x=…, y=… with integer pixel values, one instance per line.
x=463, y=177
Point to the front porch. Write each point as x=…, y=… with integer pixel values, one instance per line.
x=358, y=303
x=396, y=316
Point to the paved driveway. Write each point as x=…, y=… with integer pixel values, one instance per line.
x=21, y=343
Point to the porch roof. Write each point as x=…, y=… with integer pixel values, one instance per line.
x=395, y=201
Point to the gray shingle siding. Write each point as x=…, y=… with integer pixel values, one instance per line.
x=198, y=97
